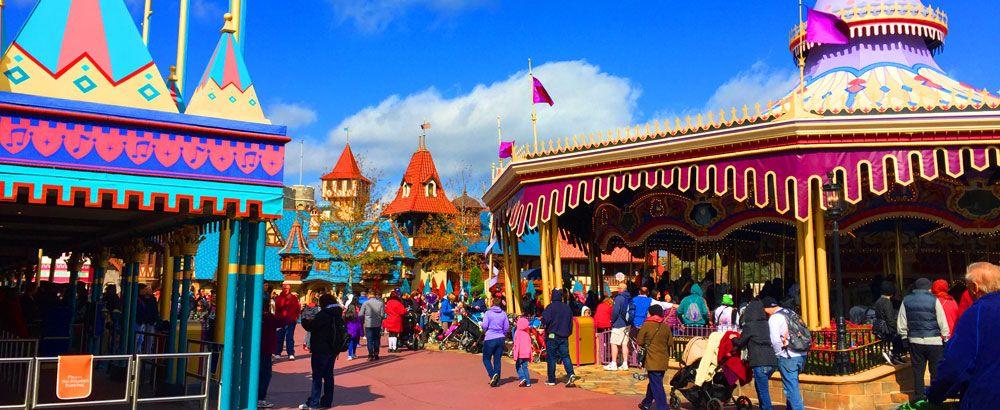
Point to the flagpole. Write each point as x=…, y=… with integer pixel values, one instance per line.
x=534, y=115
x=801, y=59
x=302, y=153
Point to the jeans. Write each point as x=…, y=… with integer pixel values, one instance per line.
x=374, y=336
x=265, y=376
x=492, y=352
x=322, y=380
x=921, y=356
x=654, y=391
x=286, y=335
x=352, y=346
x=558, y=350
x=790, y=367
x=522, y=370
x=761, y=377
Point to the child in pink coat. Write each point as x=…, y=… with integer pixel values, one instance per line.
x=522, y=352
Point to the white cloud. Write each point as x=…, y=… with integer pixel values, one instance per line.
x=208, y=10
x=292, y=115
x=463, y=133
x=758, y=84
x=373, y=16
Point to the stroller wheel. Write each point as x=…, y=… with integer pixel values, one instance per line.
x=743, y=403
x=441, y=346
x=675, y=402
x=715, y=404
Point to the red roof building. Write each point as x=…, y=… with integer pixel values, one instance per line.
x=346, y=169
x=421, y=190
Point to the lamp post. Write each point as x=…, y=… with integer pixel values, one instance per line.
x=834, y=208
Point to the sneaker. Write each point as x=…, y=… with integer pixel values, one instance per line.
x=264, y=404
x=304, y=407
x=623, y=367
x=611, y=367
x=522, y=383
x=571, y=380
x=350, y=357
x=291, y=357
x=275, y=357
x=495, y=380
x=550, y=383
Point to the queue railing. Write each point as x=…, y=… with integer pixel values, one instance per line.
x=862, y=351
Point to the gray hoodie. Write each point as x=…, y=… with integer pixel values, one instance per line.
x=373, y=311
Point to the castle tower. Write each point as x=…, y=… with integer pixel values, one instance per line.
x=345, y=188
x=420, y=193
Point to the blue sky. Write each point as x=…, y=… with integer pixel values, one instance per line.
x=381, y=67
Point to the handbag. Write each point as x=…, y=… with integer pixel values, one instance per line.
x=641, y=353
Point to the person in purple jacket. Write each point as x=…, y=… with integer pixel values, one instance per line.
x=355, y=328
x=495, y=326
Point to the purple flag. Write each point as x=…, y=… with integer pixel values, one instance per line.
x=826, y=28
x=506, y=147
x=540, y=95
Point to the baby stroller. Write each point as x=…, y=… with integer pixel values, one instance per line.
x=410, y=337
x=538, y=352
x=714, y=393
x=471, y=336
x=449, y=338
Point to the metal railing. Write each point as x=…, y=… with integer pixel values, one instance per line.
x=213, y=348
x=863, y=351
x=202, y=397
x=130, y=368
x=15, y=362
x=132, y=381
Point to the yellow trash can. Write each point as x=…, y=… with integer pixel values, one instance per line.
x=581, y=342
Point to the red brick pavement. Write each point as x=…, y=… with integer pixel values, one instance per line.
x=430, y=379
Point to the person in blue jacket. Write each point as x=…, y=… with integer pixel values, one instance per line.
x=693, y=310
x=970, y=367
x=447, y=311
x=639, y=307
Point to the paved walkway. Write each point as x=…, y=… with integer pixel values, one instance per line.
x=431, y=379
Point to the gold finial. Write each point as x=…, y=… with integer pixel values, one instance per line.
x=228, y=26
x=173, y=72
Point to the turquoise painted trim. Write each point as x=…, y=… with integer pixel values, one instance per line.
x=43, y=32
x=257, y=300
x=242, y=327
x=226, y=383
x=270, y=197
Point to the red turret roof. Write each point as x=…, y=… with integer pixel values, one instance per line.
x=420, y=172
x=346, y=168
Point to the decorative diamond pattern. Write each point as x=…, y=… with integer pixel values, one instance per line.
x=84, y=84
x=85, y=67
x=149, y=76
x=16, y=75
x=232, y=99
x=148, y=92
x=211, y=96
x=253, y=102
x=18, y=58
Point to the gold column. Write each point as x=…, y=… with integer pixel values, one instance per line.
x=167, y=284
x=508, y=287
x=545, y=242
x=222, y=282
x=556, y=258
x=822, y=278
x=810, y=247
x=800, y=243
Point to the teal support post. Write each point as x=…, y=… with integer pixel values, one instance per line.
x=229, y=350
x=174, y=316
x=126, y=303
x=133, y=306
x=98, y=267
x=185, y=313
x=242, y=327
x=256, y=274
x=73, y=264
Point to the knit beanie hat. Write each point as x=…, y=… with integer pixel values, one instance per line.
x=727, y=299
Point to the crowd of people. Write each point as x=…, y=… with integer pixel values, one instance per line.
x=935, y=326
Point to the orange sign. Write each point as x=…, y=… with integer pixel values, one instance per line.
x=74, y=377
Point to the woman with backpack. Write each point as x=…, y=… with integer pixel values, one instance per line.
x=726, y=316
x=755, y=338
x=693, y=309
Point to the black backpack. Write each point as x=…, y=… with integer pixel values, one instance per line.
x=340, y=337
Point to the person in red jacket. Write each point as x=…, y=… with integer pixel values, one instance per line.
x=287, y=309
x=940, y=290
x=602, y=317
x=393, y=323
